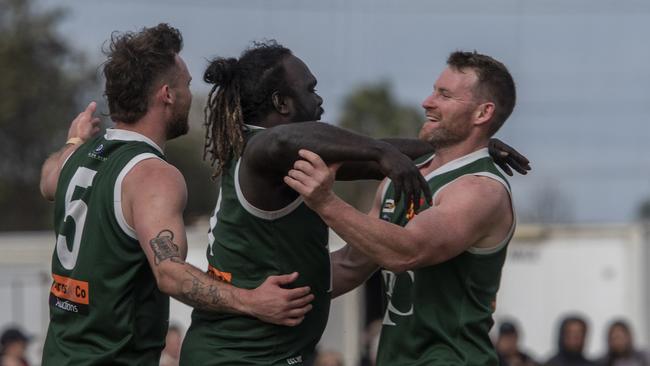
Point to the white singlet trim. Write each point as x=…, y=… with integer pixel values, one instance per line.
x=117, y=192
x=254, y=127
x=454, y=164
x=460, y=162
x=262, y=214
x=125, y=135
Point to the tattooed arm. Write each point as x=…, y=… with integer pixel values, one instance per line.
x=153, y=200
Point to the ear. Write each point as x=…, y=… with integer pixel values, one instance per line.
x=281, y=103
x=484, y=113
x=166, y=94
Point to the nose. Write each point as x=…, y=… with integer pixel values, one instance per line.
x=428, y=102
x=320, y=99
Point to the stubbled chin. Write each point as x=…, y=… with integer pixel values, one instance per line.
x=425, y=135
x=428, y=129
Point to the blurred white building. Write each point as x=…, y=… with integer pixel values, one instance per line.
x=598, y=271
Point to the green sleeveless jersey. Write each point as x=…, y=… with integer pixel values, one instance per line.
x=105, y=306
x=441, y=314
x=246, y=245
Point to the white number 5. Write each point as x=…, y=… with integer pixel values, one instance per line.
x=74, y=210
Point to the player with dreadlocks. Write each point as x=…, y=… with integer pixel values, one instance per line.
x=261, y=111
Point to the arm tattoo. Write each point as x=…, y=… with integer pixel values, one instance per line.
x=164, y=248
x=201, y=295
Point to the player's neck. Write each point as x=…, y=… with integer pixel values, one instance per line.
x=271, y=120
x=149, y=127
x=446, y=154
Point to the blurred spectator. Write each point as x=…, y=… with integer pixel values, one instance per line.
x=172, y=351
x=507, y=346
x=329, y=358
x=620, y=347
x=571, y=342
x=14, y=345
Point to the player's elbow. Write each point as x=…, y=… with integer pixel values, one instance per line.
x=166, y=280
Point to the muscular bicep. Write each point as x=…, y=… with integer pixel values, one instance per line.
x=473, y=211
x=153, y=199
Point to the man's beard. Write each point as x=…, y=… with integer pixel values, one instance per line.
x=303, y=115
x=178, y=126
x=442, y=137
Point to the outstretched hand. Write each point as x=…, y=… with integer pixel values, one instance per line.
x=272, y=303
x=406, y=178
x=85, y=126
x=507, y=157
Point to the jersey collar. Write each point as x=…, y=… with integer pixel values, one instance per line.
x=125, y=135
x=457, y=163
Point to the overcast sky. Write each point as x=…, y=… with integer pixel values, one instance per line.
x=582, y=70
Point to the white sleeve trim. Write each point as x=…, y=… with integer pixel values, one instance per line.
x=262, y=214
x=117, y=192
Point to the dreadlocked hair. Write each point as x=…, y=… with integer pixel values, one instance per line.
x=223, y=114
x=242, y=91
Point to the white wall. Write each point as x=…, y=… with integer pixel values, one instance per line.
x=596, y=272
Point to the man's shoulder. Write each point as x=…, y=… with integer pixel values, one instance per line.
x=153, y=168
x=154, y=175
x=481, y=186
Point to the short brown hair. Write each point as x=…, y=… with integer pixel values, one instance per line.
x=494, y=83
x=136, y=61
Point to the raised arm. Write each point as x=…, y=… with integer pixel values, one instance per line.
x=274, y=150
x=82, y=128
x=503, y=154
x=355, y=170
x=154, y=197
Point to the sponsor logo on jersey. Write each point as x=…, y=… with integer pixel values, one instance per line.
x=389, y=206
x=66, y=305
x=294, y=360
x=223, y=276
x=96, y=156
x=69, y=294
x=97, y=153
